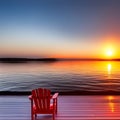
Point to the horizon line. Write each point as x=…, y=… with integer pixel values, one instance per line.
x=56, y=59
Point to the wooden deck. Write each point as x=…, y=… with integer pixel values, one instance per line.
x=69, y=108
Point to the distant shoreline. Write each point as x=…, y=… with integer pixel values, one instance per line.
x=25, y=60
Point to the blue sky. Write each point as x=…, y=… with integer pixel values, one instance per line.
x=58, y=28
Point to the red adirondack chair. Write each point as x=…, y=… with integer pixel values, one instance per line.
x=42, y=102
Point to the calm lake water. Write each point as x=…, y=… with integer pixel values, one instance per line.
x=61, y=76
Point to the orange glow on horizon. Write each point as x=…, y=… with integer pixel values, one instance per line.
x=106, y=48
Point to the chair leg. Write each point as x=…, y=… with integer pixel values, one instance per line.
x=53, y=115
x=35, y=116
x=32, y=116
x=32, y=113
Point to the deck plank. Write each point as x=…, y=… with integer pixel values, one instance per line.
x=69, y=108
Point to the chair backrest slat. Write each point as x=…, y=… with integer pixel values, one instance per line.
x=41, y=98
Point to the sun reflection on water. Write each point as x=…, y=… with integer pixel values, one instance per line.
x=111, y=103
x=109, y=67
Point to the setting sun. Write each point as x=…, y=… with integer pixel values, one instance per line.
x=109, y=53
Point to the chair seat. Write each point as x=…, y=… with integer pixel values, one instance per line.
x=35, y=110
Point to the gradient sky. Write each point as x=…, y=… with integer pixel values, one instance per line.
x=59, y=28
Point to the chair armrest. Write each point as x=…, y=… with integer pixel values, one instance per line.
x=30, y=97
x=55, y=96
